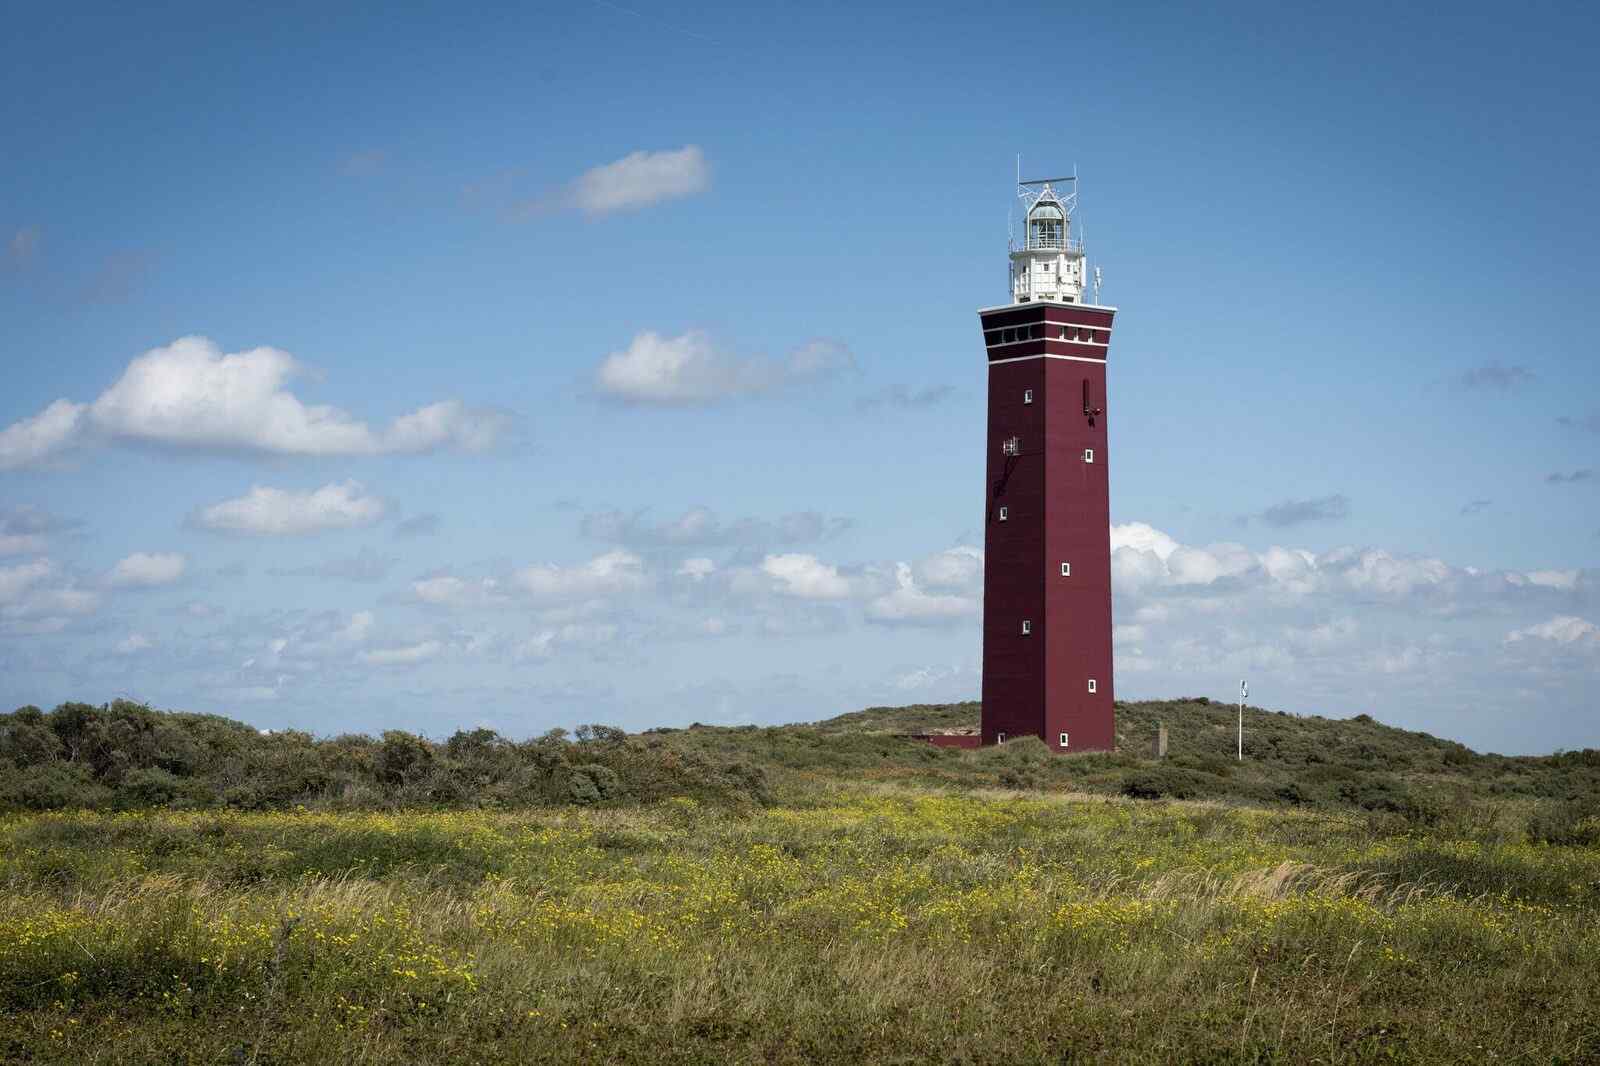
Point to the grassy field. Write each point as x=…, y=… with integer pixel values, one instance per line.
x=843, y=922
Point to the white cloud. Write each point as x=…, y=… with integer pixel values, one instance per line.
x=560, y=590
x=954, y=568
x=604, y=575
x=358, y=628
x=265, y=511
x=35, y=597
x=697, y=569
x=16, y=580
x=446, y=590
x=405, y=655
x=700, y=526
x=146, y=570
x=190, y=394
x=1568, y=630
x=1137, y=536
x=806, y=577
x=545, y=644
x=640, y=179
x=134, y=643
x=1381, y=573
x=953, y=681
x=46, y=434
x=20, y=544
x=909, y=605
x=1553, y=579
x=692, y=369
x=25, y=530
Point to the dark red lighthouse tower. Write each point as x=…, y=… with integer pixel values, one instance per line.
x=1047, y=540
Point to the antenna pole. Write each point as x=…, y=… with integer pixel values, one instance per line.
x=1244, y=690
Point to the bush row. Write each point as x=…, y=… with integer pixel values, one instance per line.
x=125, y=755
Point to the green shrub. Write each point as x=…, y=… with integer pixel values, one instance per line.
x=402, y=757
x=1573, y=822
x=1168, y=782
x=52, y=787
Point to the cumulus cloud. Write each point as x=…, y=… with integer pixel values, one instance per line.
x=639, y=180
x=134, y=643
x=26, y=530
x=191, y=395
x=1568, y=630
x=356, y=630
x=1146, y=562
x=403, y=655
x=546, y=585
x=692, y=369
x=805, y=577
x=37, y=597
x=147, y=570
x=697, y=568
x=605, y=575
x=1298, y=512
x=959, y=568
x=41, y=437
x=909, y=604
x=447, y=590
x=15, y=580
x=270, y=512
x=700, y=527
x=20, y=544
x=1494, y=376
x=547, y=643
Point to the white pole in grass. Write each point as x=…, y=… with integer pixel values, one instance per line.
x=1244, y=690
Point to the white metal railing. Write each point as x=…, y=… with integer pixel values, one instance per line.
x=1053, y=244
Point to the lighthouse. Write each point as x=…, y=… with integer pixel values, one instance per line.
x=1047, y=506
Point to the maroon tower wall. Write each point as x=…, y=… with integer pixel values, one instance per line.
x=1057, y=510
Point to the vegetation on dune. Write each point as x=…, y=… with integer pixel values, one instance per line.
x=876, y=924
x=124, y=755
x=1396, y=776
x=181, y=888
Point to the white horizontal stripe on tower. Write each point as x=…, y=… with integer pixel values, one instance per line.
x=1046, y=355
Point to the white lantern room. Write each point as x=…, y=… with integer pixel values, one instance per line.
x=1049, y=263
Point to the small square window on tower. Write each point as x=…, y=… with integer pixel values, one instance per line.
x=1088, y=455
x=1093, y=686
x=1003, y=514
x=1063, y=740
x=1027, y=395
x=1066, y=569
x=1027, y=627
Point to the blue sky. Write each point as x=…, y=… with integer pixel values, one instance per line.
x=618, y=363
